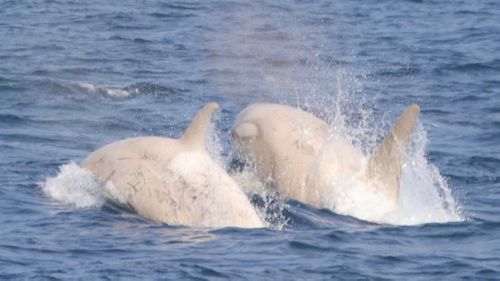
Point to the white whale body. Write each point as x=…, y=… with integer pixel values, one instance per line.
x=294, y=152
x=174, y=181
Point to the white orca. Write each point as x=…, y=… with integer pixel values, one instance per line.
x=294, y=152
x=174, y=181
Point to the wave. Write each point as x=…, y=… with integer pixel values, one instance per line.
x=472, y=67
x=111, y=91
x=136, y=89
x=11, y=119
x=396, y=71
x=64, y=87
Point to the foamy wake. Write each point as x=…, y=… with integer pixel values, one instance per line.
x=79, y=188
x=74, y=186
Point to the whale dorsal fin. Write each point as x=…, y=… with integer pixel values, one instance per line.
x=384, y=166
x=196, y=133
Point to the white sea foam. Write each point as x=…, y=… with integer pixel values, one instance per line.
x=74, y=186
x=79, y=188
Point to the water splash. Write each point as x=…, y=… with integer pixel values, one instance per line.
x=74, y=186
x=271, y=208
x=79, y=188
x=425, y=196
x=269, y=205
x=213, y=142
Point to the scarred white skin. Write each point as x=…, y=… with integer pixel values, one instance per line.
x=294, y=152
x=174, y=181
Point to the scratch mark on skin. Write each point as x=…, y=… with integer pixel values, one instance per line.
x=133, y=186
x=138, y=174
x=182, y=198
x=108, y=177
x=161, y=196
x=103, y=183
x=138, y=181
x=150, y=156
x=164, y=167
x=124, y=158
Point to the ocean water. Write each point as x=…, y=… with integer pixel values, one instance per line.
x=76, y=75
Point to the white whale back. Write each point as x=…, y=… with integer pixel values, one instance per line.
x=174, y=181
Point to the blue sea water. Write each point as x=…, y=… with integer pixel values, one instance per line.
x=75, y=75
